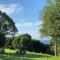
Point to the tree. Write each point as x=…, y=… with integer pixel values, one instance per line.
x=7, y=26
x=2, y=40
x=9, y=41
x=22, y=42
x=37, y=46
x=51, y=23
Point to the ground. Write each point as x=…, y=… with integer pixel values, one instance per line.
x=28, y=56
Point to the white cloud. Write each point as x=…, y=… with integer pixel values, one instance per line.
x=10, y=8
x=28, y=24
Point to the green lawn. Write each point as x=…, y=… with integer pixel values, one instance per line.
x=10, y=51
x=28, y=56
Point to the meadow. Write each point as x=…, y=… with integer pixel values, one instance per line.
x=29, y=56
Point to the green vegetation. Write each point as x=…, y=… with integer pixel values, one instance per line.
x=51, y=24
x=10, y=51
x=28, y=56
x=7, y=28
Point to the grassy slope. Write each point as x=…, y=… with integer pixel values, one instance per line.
x=28, y=56
x=10, y=51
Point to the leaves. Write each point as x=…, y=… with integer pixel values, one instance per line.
x=2, y=39
x=51, y=23
x=21, y=40
x=6, y=24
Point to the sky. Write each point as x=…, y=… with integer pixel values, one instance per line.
x=25, y=14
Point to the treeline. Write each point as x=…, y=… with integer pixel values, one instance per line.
x=37, y=46
x=25, y=42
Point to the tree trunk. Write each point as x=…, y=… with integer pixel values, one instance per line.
x=3, y=49
x=55, y=46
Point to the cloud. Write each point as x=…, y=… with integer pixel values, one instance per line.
x=11, y=8
x=28, y=24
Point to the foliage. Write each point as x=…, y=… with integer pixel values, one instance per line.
x=24, y=42
x=51, y=22
x=7, y=26
x=2, y=39
x=9, y=41
x=21, y=41
x=37, y=46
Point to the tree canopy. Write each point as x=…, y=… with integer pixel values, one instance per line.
x=7, y=26
x=51, y=22
x=21, y=40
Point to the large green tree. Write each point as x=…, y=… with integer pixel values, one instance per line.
x=7, y=27
x=51, y=22
x=22, y=42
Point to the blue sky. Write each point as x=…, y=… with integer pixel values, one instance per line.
x=25, y=14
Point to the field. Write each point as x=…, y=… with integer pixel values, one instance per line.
x=28, y=56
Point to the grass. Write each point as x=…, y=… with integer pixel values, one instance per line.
x=28, y=56
x=10, y=51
